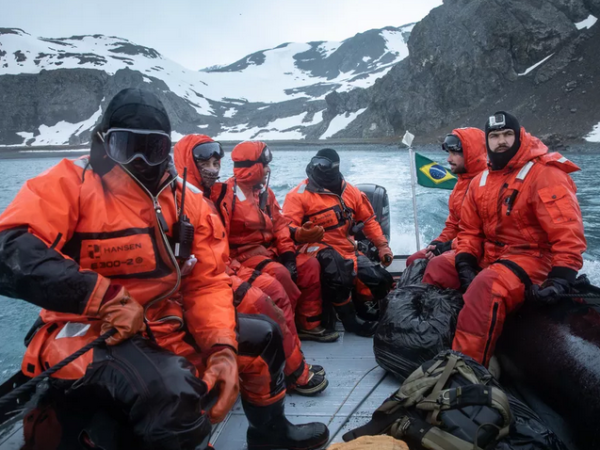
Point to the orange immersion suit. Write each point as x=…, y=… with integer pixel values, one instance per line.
x=91, y=230
x=259, y=237
x=521, y=224
x=474, y=153
x=264, y=295
x=337, y=215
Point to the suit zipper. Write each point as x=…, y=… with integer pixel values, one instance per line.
x=491, y=332
x=160, y=220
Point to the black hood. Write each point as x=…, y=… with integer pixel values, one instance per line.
x=130, y=108
x=331, y=180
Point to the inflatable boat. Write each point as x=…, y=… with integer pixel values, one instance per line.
x=550, y=360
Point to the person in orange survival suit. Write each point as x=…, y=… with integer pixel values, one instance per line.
x=467, y=157
x=259, y=237
x=201, y=156
x=521, y=223
x=328, y=201
x=95, y=252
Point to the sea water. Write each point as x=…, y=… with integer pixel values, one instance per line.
x=387, y=166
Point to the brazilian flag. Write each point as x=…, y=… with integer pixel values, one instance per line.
x=432, y=175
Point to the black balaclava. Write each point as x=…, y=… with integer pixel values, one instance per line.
x=500, y=160
x=331, y=180
x=134, y=109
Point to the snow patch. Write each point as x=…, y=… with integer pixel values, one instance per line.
x=340, y=122
x=26, y=136
x=317, y=118
x=230, y=113
x=327, y=48
x=536, y=65
x=60, y=133
x=176, y=136
x=594, y=135
x=586, y=23
x=204, y=125
x=286, y=122
x=395, y=43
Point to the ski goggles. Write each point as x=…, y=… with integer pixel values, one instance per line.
x=324, y=164
x=124, y=145
x=452, y=144
x=207, y=150
x=265, y=158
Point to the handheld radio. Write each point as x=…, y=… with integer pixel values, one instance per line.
x=183, y=233
x=264, y=196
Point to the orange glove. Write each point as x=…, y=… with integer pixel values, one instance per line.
x=120, y=311
x=385, y=255
x=222, y=371
x=309, y=233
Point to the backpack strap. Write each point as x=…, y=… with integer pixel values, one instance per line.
x=243, y=288
x=413, y=429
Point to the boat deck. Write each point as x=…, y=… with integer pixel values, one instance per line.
x=357, y=386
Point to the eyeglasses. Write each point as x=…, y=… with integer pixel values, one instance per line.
x=265, y=158
x=124, y=145
x=452, y=144
x=205, y=151
x=323, y=164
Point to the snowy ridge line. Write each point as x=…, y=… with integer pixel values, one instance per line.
x=268, y=81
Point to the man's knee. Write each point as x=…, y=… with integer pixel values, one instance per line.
x=415, y=256
x=261, y=336
x=309, y=272
x=278, y=271
x=336, y=271
x=441, y=272
x=376, y=278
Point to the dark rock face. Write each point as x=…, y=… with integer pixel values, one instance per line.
x=47, y=98
x=132, y=49
x=467, y=54
x=73, y=96
x=355, y=54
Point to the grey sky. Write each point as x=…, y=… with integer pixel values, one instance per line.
x=203, y=33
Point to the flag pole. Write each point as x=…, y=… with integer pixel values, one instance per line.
x=408, y=138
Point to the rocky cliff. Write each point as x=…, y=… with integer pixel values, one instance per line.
x=468, y=58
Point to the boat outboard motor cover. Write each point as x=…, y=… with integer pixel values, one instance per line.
x=380, y=202
x=453, y=402
x=418, y=323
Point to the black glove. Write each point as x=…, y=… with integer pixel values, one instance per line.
x=550, y=291
x=288, y=259
x=467, y=268
x=441, y=247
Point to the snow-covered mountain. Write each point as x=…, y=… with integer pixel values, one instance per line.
x=53, y=90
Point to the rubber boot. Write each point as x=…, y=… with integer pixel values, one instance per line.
x=269, y=429
x=353, y=323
